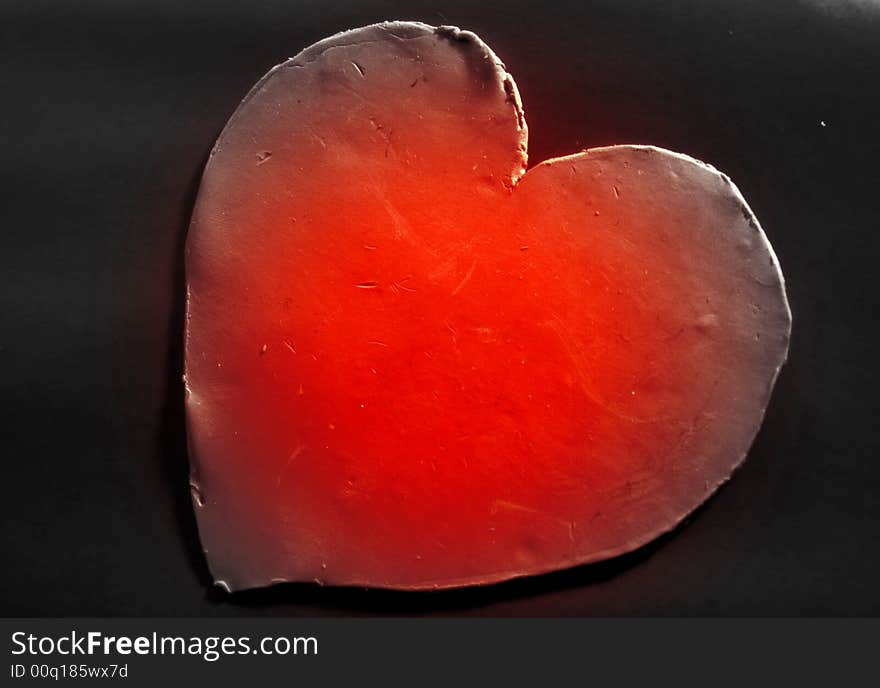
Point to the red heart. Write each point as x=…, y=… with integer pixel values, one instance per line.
x=410, y=366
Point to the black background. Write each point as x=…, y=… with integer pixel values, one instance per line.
x=109, y=110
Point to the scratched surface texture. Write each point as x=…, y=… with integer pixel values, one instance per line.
x=410, y=365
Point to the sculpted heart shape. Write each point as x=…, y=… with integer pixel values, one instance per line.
x=410, y=364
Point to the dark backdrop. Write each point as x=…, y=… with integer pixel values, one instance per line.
x=108, y=111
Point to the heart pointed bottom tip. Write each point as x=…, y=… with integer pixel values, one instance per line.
x=410, y=364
